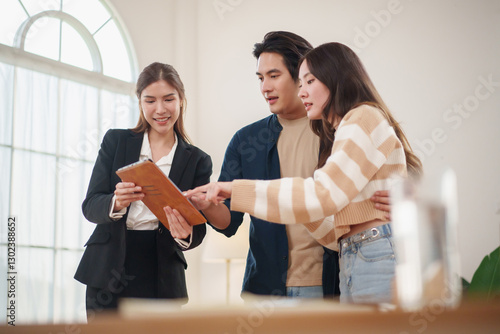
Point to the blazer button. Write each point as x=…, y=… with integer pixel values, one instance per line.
x=160, y=230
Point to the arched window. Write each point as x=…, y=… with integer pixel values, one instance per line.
x=66, y=76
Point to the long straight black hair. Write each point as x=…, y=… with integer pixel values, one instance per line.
x=341, y=70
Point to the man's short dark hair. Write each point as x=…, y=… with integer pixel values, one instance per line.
x=289, y=45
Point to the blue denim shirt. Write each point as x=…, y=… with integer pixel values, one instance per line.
x=253, y=154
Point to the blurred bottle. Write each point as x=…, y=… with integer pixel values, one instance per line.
x=425, y=223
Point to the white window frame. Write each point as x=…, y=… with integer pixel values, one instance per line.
x=19, y=58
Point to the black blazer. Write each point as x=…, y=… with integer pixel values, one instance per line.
x=102, y=264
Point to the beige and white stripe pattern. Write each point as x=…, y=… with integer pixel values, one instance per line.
x=365, y=154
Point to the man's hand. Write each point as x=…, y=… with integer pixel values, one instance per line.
x=382, y=202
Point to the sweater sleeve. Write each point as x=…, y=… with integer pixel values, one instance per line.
x=363, y=142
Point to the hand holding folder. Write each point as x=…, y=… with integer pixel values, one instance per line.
x=159, y=191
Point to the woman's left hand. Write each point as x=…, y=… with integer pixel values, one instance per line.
x=179, y=227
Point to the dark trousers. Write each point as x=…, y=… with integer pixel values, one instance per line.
x=141, y=272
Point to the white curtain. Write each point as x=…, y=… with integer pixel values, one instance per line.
x=51, y=129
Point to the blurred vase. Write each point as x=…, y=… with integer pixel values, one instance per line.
x=425, y=222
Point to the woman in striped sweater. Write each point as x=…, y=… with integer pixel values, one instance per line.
x=369, y=148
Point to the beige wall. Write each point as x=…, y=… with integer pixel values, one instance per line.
x=429, y=59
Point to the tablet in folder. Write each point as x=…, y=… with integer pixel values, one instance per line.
x=159, y=191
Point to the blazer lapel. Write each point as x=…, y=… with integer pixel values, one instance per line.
x=180, y=161
x=134, y=144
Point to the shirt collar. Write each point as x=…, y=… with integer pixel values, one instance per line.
x=147, y=154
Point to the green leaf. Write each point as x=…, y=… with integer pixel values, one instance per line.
x=465, y=284
x=486, y=279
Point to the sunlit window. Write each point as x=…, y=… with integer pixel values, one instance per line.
x=66, y=77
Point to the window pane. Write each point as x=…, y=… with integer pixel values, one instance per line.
x=73, y=230
x=33, y=197
x=111, y=44
x=5, y=159
x=118, y=111
x=50, y=132
x=35, y=287
x=35, y=121
x=79, y=119
x=6, y=97
x=89, y=12
x=69, y=294
x=11, y=17
x=74, y=51
x=36, y=6
x=43, y=38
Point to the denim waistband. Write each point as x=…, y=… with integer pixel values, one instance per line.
x=373, y=233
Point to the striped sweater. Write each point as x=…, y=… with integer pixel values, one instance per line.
x=365, y=153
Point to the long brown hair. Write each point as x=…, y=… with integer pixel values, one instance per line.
x=341, y=70
x=153, y=73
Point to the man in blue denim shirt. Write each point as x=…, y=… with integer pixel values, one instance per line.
x=282, y=260
x=253, y=154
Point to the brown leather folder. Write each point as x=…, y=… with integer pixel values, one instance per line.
x=159, y=191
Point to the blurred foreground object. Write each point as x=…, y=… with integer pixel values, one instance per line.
x=425, y=223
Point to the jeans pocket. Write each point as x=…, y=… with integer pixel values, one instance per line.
x=376, y=250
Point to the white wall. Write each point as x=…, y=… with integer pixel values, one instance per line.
x=427, y=58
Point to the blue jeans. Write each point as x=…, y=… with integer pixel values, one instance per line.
x=304, y=291
x=367, y=266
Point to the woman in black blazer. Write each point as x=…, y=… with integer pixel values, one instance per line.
x=131, y=254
